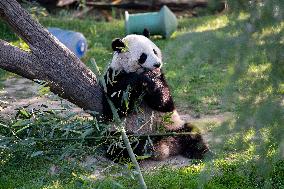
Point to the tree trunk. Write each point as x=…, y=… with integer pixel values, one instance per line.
x=67, y=76
x=47, y=60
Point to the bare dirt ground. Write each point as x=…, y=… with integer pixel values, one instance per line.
x=19, y=92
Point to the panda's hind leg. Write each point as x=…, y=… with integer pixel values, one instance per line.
x=190, y=145
x=193, y=146
x=189, y=142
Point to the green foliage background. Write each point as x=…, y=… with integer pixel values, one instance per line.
x=230, y=62
x=256, y=88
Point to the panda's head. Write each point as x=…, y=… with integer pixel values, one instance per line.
x=135, y=53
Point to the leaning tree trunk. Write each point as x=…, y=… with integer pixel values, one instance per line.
x=67, y=76
x=47, y=60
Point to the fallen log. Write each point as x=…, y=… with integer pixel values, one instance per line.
x=148, y=6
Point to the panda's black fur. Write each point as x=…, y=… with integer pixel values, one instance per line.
x=190, y=145
x=149, y=86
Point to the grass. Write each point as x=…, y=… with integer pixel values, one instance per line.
x=238, y=172
x=213, y=64
x=185, y=74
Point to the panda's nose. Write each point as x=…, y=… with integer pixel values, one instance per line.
x=157, y=65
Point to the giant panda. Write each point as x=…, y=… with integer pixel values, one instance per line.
x=135, y=78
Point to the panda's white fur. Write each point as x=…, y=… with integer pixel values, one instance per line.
x=128, y=59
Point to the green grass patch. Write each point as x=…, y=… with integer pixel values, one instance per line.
x=213, y=64
x=195, y=73
x=231, y=173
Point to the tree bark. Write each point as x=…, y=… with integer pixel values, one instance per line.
x=47, y=60
x=67, y=76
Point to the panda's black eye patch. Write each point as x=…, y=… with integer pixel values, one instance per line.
x=142, y=58
x=155, y=52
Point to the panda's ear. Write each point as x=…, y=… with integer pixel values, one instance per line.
x=146, y=33
x=117, y=45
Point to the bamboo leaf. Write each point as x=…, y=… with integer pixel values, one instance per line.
x=23, y=112
x=37, y=153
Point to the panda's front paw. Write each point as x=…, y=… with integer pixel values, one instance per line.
x=152, y=74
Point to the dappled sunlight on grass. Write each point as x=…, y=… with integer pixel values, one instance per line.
x=21, y=44
x=249, y=135
x=210, y=100
x=218, y=23
x=54, y=185
x=208, y=23
x=193, y=169
x=270, y=30
x=259, y=71
x=243, y=16
x=198, y=54
x=213, y=64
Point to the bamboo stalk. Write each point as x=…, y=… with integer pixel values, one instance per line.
x=100, y=137
x=133, y=158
